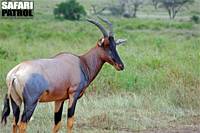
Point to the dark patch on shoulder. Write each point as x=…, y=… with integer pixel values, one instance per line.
x=34, y=87
x=84, y=75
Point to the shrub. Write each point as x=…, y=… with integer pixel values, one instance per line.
x=195, y=19
x=70, y=10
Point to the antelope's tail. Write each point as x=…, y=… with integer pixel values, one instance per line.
x=6, y=110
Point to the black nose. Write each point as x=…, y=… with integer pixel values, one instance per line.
x=121, y=66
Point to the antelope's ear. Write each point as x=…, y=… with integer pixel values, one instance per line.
x=120, y=41
x=101, y=42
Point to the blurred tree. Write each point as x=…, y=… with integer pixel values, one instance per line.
x=130, y=7
x=95, y=10
x=126, y=8
x=174, y=6
x=136, y=4
x=70, y=9
x=117, y=9
x=155, y=3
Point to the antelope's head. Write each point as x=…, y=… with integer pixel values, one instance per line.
x=107, y=45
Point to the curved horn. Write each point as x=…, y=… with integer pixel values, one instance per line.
x=103, y=30
x=109, y=24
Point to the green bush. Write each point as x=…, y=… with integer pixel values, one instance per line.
x=195, y=19
x=70, y=10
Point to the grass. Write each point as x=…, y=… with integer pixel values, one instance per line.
x=124, y=112
x=160, y=83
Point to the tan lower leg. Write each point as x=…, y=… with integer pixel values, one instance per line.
x=56, y=127
x=22, y=127
x=70, y=122
x=14, y=128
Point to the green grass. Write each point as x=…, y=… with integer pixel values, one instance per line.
x=120, y=112
x=160, y=83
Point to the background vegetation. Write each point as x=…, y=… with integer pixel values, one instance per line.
x=158, y=90
x=70, y=10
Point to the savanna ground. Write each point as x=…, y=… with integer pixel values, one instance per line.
x=159, y=90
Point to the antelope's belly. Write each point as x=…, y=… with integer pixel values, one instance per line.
x=54, y=95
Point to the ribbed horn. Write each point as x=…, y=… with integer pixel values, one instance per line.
x=111, y=33
x=103, y=30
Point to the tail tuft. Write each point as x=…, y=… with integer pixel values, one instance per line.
x=6, y=110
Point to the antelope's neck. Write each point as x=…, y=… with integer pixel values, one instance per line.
x=92, y=63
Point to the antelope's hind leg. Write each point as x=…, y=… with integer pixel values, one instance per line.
x=16, y=113
x=33, y=89
x=26, y=116
x=58, y=115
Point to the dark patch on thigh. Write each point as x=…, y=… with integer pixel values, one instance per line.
x=34, y=87
x=58, y=115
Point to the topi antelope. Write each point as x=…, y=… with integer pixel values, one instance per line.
x=65, y=76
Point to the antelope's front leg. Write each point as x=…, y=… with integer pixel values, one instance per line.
x=57, y=115
x=71, y=109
